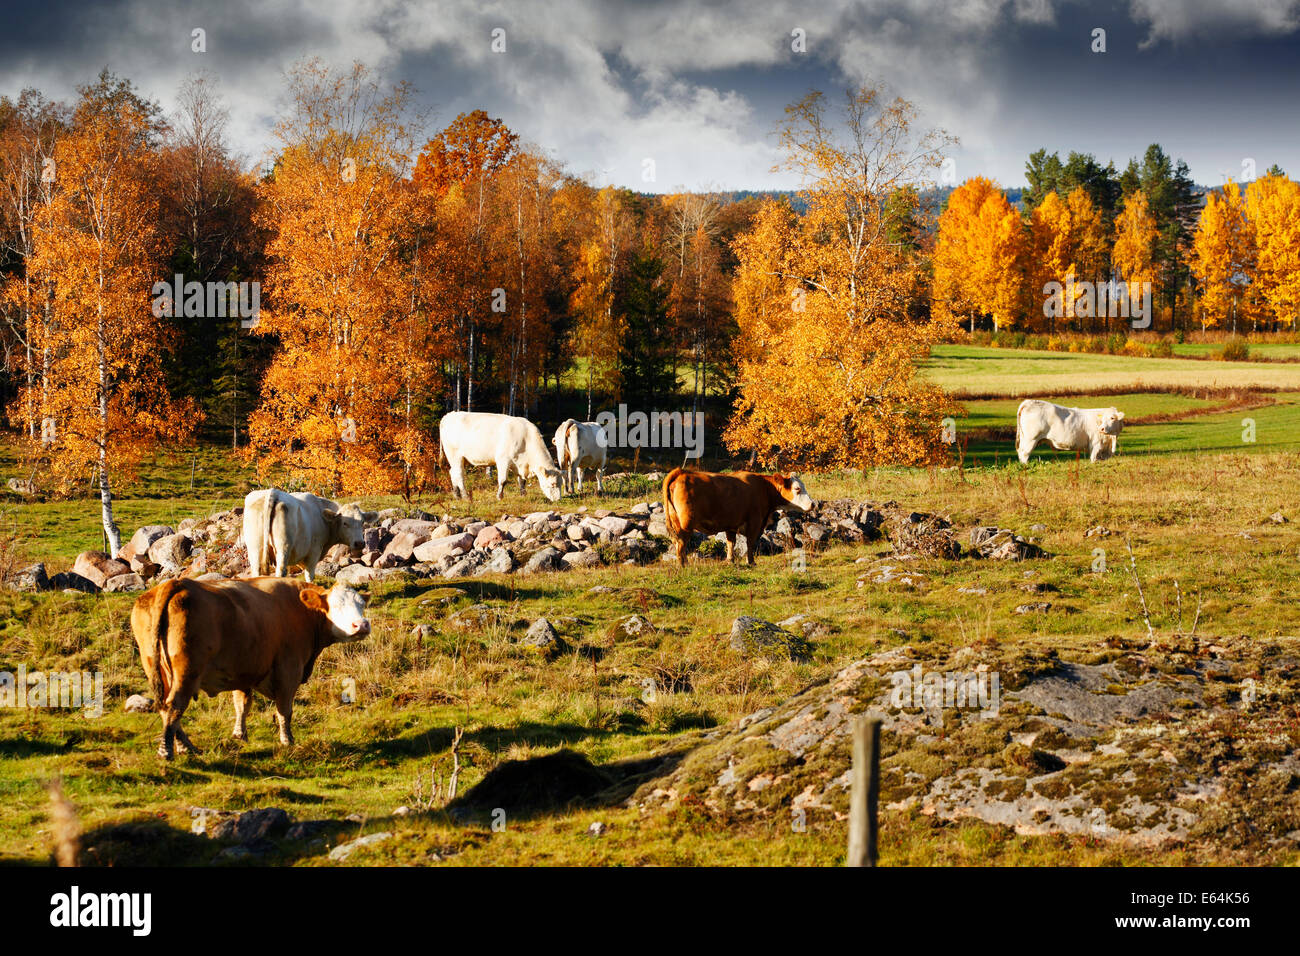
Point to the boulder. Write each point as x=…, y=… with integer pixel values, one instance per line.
x=436, y=548
x=546, y=559
x=30, y=578
x=97, y=567
x=751, y=635
x=138, y=704
x=615, y=525
x=71, y=581
x=582, y=559
x=403, y=544
x=170, y=551
x=542, y=638
x=125, y=582
x=415, y=526
x=144, y=537
x=490, y=537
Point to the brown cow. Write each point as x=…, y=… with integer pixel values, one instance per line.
x=739, y=502
x=259, y=633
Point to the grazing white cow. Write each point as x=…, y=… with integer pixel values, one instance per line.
x=514, y=445
x=283, y=529
x=580, y=445
x=1094, y=430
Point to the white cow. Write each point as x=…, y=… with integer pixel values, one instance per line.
x=580, y=445
x=1094, y=430
x=283, y=529
x=514, y=445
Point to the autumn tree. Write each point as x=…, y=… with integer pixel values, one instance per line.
x=1224, y=256
x=978, y=268
x=1135, y=238
x=828, y=347
x=1273, y=207
x=97, y=252
x=337, y=289
x=603, y=259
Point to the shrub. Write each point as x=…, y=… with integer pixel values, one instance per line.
x=1235, y=350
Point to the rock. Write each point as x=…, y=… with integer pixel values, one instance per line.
x=582, y=559
x=305, y=829
x=1277, y=518
x=751, y=635
x=30, y=578
x=70, y=581
x=473, y=618
x=641, y=508
x=170, y=551
x=97, y=567
x=540, y=517
x=546, y=559
x=326, y=569
x=490, y=537
x=125, y=582
x=215, y=576
x=634, y=625
x=657, y=526
x=403, y=811
x=249, y=826
x=345, y=850
x=576, y=532
x=138, y=704
x=468, y=566
x=1036, y=607
x=1100, y=531
x=615, y=525
x=597, y=829
x=142, y=566
x=146, y=536
x=436, y=548
x=500, y=561
x=542, y=638
x=339, y=555
x=387, y=560
x=355, y=574
x=415, y=526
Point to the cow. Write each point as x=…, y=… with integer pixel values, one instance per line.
x=514, y=445
x=580, y=445
x=283, y=529
x=1094, y=430
x=740, y=502
x=242, y=635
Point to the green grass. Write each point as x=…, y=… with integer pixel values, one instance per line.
x=1272, y=351
x=976, y=370
x=1189, y=494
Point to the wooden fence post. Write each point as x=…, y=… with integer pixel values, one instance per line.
x=865, y=792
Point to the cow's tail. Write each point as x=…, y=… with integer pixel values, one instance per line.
x=161, y=677
x=1020, y=410
x=266, y=554
x=670, y=509
x=570, y=453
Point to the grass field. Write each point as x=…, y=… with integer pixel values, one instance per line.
x=976, y=370
x=1189, y=494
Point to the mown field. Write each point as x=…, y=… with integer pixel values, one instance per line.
x=1190, y=495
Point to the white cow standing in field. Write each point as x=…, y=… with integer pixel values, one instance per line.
x=283, y=529
x=1094, y=430
x=580, y=445
x=514, y=445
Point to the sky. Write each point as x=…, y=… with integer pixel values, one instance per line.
x=697, y=88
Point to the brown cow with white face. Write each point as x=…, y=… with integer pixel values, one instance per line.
x=259, y=634
x=741, y=502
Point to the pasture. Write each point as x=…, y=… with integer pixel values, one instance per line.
x=1187, y=493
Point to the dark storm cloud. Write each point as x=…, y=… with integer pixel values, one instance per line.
x=697, y=88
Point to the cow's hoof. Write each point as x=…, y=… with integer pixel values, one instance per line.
x=163, y=754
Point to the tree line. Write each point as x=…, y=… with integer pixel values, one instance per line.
x=1224, y=258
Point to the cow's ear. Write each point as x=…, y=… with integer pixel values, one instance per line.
x=314, y=598
x=369, y=516
x=786, y=482
x=330, y=516
x=1119, y=416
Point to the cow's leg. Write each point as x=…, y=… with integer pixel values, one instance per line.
x=284, y=716
x=681, y=549
x=752, y=534
x=600, y=479
x=174, y=738
x=579, y=474
x=456, y=469
x=241, y=698
x=731, y=547
x=503, y=475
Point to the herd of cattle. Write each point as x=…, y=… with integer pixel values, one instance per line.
x=265, y=633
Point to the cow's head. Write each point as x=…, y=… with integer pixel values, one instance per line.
x=549, y=479
x=1110, y=420
x=343, y=607
x=348, y=526
x=793, y=491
